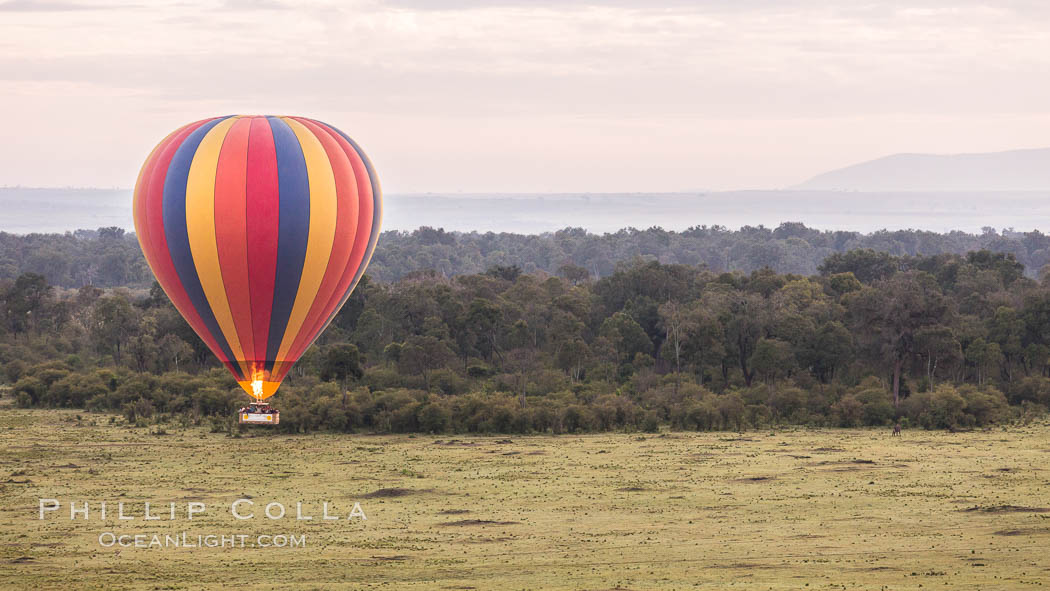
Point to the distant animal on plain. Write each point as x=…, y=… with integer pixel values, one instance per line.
x=897, y=430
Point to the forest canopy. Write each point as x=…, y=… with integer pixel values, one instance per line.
x=569, y=332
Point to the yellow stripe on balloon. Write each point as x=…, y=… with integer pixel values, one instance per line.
x=323, y=206
x=200, y=228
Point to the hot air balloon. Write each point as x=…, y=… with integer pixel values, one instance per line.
x=258, y=228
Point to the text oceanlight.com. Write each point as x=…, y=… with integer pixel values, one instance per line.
x=187, y=540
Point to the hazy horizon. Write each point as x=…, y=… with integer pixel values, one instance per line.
x=61, y=210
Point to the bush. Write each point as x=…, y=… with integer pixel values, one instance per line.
x=433, y=417
x=28, y=391
x=139, y=410
x=876, y=404
x=651, y=422
x=697, y=416
x=576, y=418
x=14, y=370
x=848, y=412
x=941, y=409
x=785, y=402
x=476, y=371
x=1031, y=389
x=75, y=390
x=988, y=406
x=732, y=411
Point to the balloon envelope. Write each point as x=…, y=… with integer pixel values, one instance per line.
x=258, y=228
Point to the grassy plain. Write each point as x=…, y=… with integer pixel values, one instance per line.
x=795, y=509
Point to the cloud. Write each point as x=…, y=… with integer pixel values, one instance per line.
x=54, y=6
x=750, y=76
x=256, y=5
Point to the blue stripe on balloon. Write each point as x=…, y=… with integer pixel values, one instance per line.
x=292, y=232
x=174, y=212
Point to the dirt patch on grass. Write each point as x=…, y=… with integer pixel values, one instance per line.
x=1028, y=531
x=485, y=540
x=470, y=522
x=1005, y=509
x=392, y=493
x=455, y=442
x=844, y=465
x=751, y=565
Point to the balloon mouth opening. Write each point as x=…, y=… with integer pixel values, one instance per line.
x=258, y=387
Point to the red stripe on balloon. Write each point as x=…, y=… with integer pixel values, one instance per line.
x=347, y=211
x=262, y=191
x=155, y=242
x=361, y=237
x=231, y=229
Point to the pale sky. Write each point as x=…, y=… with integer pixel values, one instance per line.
x=529, y=95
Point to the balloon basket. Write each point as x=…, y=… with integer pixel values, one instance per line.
x=259, y=413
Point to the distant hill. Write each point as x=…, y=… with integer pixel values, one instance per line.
x=1015, y=170
x=24, y=211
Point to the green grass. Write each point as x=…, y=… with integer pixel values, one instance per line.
x=783, y=510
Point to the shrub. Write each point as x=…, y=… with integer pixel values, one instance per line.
x=876, y=406
x=848, y=412
x=137, y=411
x=433, y=417
x=732, y=411
x=986, y=406
x=1030, y=389
x=74, y=390
x=941, y=409
x=28, y=391
x=650, y=422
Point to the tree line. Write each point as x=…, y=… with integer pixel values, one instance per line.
x=942, y=341
x=110, y=257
